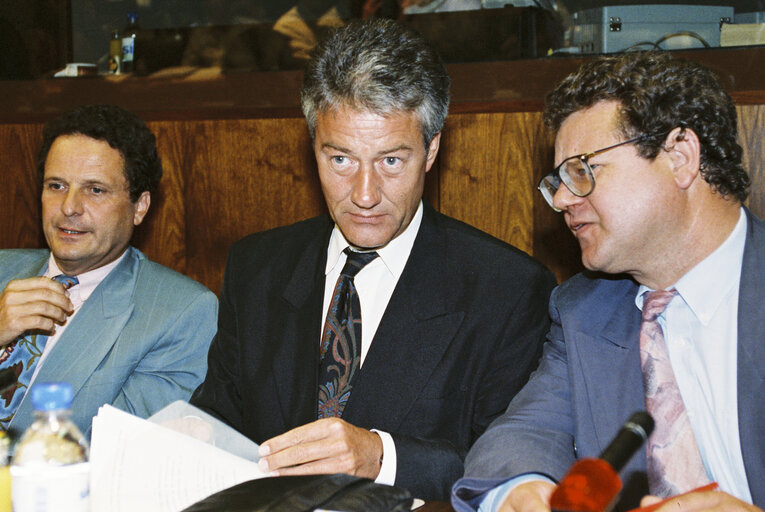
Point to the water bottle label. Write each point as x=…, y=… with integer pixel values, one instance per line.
x=128, y=47
x=42, y=488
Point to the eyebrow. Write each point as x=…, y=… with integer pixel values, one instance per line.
x=86, y=183
x=401, y=147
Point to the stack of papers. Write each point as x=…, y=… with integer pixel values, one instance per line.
x=167, y=463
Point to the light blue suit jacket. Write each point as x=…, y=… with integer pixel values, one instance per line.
x=589, y=382
x=138, y=343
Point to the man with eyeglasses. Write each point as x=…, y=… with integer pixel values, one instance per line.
x=670, y=315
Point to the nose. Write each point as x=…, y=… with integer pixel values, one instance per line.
x=366, y=187
x=564, y=198
x=72, y=203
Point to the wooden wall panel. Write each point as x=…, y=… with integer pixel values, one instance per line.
x=238, y=177
x=162, y=235
x=487, y=173
x=20, y=201
x=226, y=178
x=751, y=132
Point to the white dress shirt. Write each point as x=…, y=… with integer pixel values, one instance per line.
x=700, y=329
x=374, y=284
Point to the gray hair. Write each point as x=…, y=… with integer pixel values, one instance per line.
x=381, y=66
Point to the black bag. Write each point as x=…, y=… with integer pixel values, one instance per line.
x=340, y=492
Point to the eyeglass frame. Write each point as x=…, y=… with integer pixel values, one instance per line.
x=584, y=158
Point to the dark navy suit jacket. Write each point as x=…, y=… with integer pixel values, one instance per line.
x=461, y=334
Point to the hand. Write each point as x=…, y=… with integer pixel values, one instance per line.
x=36, y=303
x=702, y=500
x=326, y=446
x=529, y=497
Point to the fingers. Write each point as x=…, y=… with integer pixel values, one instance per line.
x=324, y=446
x=529, y=497
x=703, y=501
x=36, y=303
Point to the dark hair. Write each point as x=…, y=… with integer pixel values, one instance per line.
x=122, y=130
x=658, y=93
x=378, y=65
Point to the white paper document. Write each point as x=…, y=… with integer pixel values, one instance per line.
x=138, y=464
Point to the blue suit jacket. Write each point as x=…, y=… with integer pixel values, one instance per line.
x=589, y=382
x=139, y=342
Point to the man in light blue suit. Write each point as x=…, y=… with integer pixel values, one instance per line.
x=121, y=329
x=650, y=182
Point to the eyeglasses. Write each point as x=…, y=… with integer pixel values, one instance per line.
x=575, y=172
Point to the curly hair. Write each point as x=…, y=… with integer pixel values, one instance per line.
x=122, y=130
x=658, y=93
x=378, y=65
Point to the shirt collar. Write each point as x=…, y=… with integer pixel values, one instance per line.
x=394, y=255
x=87, y=281
x=704, y=287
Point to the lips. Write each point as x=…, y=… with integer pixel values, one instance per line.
x=69, y=231
x=366, y=218
x=577, y=225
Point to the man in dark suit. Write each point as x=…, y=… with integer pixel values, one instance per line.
x=653, y=190
x=453, y=319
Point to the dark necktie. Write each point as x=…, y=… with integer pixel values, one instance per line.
x=340, y=352
x=674, y=461
x=22, y=354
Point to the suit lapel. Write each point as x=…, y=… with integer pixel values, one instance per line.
x=610, y=366
x=751, y=356
x=416, y=328
x=296, y=357
x=92, y=332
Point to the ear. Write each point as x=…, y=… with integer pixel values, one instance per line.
x=141, y=206
x=432, y=151
x=684, y=150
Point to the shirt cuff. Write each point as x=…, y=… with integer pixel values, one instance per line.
x=387, y=474
x=493, y=499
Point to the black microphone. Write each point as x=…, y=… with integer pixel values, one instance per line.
x=592, y=485
x=630, y=437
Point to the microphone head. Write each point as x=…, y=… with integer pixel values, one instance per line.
x=630, y=437
x=641, y=423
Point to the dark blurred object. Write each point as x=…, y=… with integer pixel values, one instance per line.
x=305, y=494
x=489, y=34
x=14, y=60
x=592, y=485
x=8, y=379
x=129, y=37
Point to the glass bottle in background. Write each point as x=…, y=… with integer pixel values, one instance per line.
x=115, y=53
x=49, y=471
x=128, y=43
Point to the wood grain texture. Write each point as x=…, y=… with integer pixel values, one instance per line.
x=20, y=203
x=224, y=179
x=487, y=173
x=751, y=132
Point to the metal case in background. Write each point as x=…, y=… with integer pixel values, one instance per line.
x=618, y=28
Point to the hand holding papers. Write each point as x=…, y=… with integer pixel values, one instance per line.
x=141, y=465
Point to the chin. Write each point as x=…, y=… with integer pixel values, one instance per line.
x=367, y=240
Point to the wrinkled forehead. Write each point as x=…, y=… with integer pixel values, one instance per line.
x=588, y=130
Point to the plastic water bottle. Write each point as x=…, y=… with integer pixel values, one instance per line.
x=49, y=471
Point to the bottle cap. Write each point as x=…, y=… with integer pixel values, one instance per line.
x=52, y=396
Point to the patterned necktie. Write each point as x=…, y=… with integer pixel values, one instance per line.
x=340, y=352
x=22, y=355
x=674, y=461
